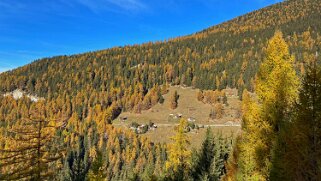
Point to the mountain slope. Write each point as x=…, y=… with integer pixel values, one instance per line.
x=224, y=55
x=84, y=93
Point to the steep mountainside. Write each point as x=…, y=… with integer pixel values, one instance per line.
x=224, y=55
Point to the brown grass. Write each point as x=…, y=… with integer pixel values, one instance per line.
x=189, y=106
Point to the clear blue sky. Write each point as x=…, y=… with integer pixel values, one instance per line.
x=32, y=29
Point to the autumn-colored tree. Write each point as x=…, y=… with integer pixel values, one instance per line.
x=29, y=150
x=213, y=97
x=276, y=89
x=277, y=83
x=200, y=96
x=218, y=111
x=178, y=164
x=248, y=142
x=173, y=100
x=225, y=55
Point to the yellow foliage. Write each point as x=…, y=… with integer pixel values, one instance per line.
x=179, y=155
x=276, y=88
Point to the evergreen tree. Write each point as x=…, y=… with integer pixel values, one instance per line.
x=161, y=99
x=221, y=152
x=211, y=158
x=225, y=100
x=78, y=165
x=301, y=160
x=205, y=157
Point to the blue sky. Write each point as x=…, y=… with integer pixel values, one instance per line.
x=32, y=29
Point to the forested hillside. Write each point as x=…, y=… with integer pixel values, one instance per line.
x=224, y=55
x=68, y=135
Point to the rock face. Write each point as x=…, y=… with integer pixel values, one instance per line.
x=18, y=94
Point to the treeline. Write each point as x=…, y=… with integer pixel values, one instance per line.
x=281, y=137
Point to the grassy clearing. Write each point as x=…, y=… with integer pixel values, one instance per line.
x=188, y=106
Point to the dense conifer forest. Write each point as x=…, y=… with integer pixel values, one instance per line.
x=269, y=55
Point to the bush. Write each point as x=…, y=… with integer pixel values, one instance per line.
x=161, y=99
x=134, y=125
x=191, y=125
x=144, y=129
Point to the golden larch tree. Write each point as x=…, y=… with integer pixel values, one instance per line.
x=179, y=160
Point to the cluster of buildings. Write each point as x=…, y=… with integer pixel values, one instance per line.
x=141, y=129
